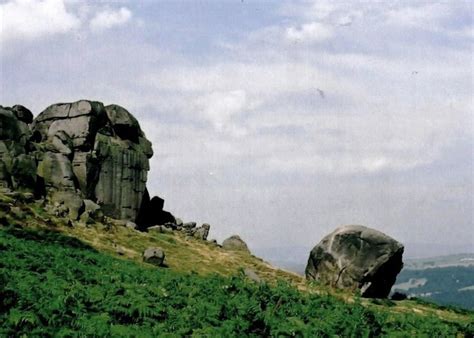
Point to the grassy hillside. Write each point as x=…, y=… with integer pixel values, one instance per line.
x=57, y=279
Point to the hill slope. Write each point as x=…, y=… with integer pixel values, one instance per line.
x=56, y=279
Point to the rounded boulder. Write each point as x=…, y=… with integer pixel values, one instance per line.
x=155, y=256
x=356, y=257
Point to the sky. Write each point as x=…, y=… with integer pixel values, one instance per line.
x=275, y=120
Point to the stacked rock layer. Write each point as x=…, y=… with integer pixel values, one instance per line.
x=76, y=151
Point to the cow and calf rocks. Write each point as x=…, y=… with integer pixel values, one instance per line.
x=90, y=162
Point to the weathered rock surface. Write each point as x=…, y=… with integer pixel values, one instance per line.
x=155, y=256
x=85, y=148
x=189, y=225
x=356, y=257
x=202, y=232
x=235, y=243
x=22, y=113
x=81, y=151
x=160, y=229
x=99, y=151
x=17, y=165
x=92, y=211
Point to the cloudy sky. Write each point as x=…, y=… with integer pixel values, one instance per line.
x=277, y=120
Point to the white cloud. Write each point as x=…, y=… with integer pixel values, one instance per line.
x=321, y=9
x=310, y=32
x=424, y=16
x=220, y=107
x=109, y=18
x=345, y=20
x=261, y=78
x=30, y=19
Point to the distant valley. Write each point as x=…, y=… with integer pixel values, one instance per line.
x=445, y=280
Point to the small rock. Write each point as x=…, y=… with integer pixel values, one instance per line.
x=189, y=225
x=189, y=232
x=252, y=275
x=120, y=250
x=86, y=218
x=155, y=256
x=115, y=222
x=170, y=225
x=235, y=243
x=179, y=222
x=202, y=232
x=130, y=225
x=60, y=210
x=160, y=229
x=22, y=113
x=73, y=203
x=94, y=211
x=166, y=230
x=398, y=296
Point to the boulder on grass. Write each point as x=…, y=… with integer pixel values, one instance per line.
x=155, y=256
x=356, y=257
x=202, y=232
x=235, y=243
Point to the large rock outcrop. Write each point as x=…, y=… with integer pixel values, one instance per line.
x=356, y=257
x=76, y=151
x=17, y=163
x=100, y=151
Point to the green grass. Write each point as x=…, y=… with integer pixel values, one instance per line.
x=182, y=254
x=61, y=280
x=56, y=285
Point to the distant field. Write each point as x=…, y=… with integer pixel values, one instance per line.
x=451, y=285
x=465, y=259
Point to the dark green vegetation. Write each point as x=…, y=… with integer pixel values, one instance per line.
x=445, y=286
x=51, y=284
